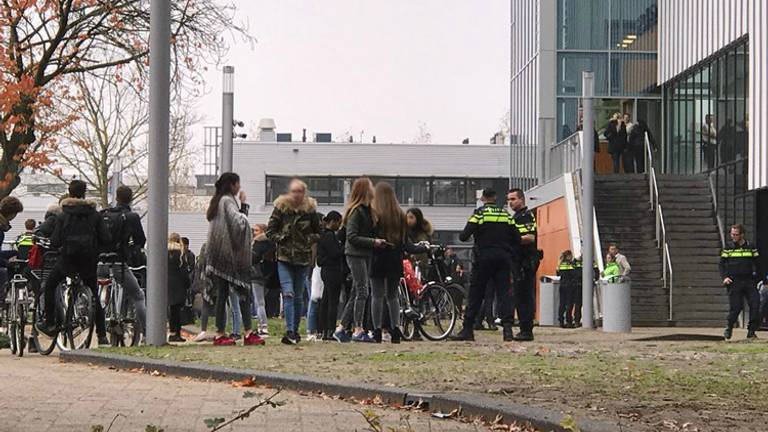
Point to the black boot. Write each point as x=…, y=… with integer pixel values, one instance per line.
x=466, y=334
x=377, y=335
x=524, y=336
x=397, y=335
x=508, y=333
x=751, y=335
x=728, y=333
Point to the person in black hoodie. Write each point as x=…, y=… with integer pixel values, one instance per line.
x=261, y=251
x=78, y=232
x=330, y=259
x=616, y=132
x=387, y=265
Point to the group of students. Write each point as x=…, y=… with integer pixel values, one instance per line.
x=368, y=242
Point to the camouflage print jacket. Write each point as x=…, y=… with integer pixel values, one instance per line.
x=294, y=229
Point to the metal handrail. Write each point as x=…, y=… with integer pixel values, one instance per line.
x=661, y=228
x=565, y=156
x=720, y=225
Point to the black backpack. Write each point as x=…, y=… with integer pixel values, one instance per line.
x=79, y=236
x=115, y=221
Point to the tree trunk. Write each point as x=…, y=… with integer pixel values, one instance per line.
x=14, y=148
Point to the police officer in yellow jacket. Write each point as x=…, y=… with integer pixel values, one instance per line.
x=738, y=268
x=525, y=263
x=495, y=235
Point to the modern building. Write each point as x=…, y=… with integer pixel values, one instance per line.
x=695, y=71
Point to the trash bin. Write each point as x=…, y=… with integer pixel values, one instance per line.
x=617, y=306
x=549, y=300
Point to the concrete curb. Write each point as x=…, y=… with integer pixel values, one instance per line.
x=470, y=405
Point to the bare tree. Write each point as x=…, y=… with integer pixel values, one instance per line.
x=46, y=43
x=110, y=135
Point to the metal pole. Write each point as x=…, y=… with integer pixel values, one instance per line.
x=157, y=201
x=227, y=118
x=587, y=202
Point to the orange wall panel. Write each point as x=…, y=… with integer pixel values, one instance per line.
x=553, y=237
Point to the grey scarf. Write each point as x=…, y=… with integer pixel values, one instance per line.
x=228, y=249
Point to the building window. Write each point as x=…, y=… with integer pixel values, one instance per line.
x=410, y=191
x=413, y=191
x=582, y=24
x=450, y=192
x=570, y=68
x=633, y=74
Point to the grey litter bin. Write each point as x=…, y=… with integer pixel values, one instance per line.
x=617, y=306
x=549, y=300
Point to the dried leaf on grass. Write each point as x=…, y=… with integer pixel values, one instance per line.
x=247, y=382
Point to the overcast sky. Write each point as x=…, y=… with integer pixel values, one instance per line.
x=382, y=67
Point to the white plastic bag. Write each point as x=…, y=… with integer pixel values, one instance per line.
x=317, y=285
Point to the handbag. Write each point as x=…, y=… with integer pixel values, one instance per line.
x=317, y=285
x=35, y=257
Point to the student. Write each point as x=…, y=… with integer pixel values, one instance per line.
x=568, y=272
x=25, y=240
x=360, y=243
x=387, y=265
x=228, y=256
x=330, y=259
x=178, y=285
x=262, y=247
x=294, y=227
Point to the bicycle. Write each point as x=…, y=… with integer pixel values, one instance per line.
x=120, y=314
x=74, y=313
x=439, y=273
x=18, y=307
x=428, y=308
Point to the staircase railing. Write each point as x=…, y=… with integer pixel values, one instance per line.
x=720, y=225
x=564, y=157
x=661, y=228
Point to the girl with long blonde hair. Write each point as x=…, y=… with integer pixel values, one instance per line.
x=387, y=266
x=359, y=246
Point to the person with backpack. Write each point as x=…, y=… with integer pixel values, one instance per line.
x=79, y=233
x=128, y=240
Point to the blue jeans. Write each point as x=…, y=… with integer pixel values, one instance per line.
x=314, y=305
x=292, y=280
x=237, y=316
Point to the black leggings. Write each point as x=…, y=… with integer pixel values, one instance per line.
x=329, y=304
x=174, y=318
x=222, y=288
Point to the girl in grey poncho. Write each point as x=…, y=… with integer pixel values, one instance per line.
x=228, y=257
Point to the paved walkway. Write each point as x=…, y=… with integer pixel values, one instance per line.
x=41, y=394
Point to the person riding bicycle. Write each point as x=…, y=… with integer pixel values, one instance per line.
x=9, y=208
x=128, y=240
x=78, y=232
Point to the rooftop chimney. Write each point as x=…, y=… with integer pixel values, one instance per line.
x=267, y=130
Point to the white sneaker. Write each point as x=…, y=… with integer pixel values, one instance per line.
x=201, y=337
x=311, y=338
x=264, y=331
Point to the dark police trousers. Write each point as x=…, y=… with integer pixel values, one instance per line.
x=525, y=294
x=740, y=290
x=491, y=266
x=564, y=311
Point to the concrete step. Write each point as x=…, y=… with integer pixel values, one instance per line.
x=675, y=205
x=683, y=223
x=670, y=213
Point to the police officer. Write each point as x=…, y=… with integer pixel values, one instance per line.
x=525, y=263
x=495, y=235
x=738, y=268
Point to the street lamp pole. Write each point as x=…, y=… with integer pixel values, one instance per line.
x=227, y=118
x=157, y=200
x=587, y=203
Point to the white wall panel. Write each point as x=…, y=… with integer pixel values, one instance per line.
x=692, y=30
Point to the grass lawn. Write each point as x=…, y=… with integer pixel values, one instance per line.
x=648, y=380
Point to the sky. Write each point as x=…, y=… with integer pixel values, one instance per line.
x=382, y=68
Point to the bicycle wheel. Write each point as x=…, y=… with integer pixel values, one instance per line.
x=11, y=332
x=409, y=329
x=21, y=343
x=79, y=319
x=44, y=343
x=438, y=313
x=125, y=332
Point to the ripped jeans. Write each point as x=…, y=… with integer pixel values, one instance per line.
x=292, y=280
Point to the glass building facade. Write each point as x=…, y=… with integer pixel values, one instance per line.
x=617, y=40
x=706, y=126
